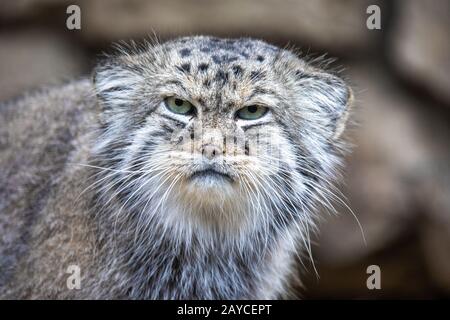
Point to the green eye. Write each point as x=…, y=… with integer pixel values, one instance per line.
x=179, y=106
x=251, y=112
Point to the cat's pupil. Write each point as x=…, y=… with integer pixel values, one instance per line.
x=178, y=102
x=252, y=109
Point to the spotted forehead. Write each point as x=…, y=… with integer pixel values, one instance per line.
x=203, y=54
x=222, y=51
x=220, y=63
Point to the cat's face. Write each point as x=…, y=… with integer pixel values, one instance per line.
x=218, y=127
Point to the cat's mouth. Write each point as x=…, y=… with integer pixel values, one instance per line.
x=211, y=175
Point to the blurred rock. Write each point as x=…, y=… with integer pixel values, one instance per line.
x=321, y=24
x=436, y=229
x=337, y=26
x=397, y=185
x=436, y=248
x=382, y=171
x=19, y=10
x=32, y=58
x=11, y=10
x=420, y=45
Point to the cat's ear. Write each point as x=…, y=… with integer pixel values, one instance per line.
x=115, y=83
x=327, y=96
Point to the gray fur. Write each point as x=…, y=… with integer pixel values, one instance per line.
x=100, y=174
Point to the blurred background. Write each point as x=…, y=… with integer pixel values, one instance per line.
x=398, y=177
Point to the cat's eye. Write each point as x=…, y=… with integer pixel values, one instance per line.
x=179, y=106
x=253, y=112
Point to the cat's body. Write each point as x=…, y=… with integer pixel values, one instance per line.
x=104, y=177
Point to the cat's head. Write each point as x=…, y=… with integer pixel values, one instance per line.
x=218, y=130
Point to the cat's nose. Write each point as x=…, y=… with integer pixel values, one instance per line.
x=211, y=151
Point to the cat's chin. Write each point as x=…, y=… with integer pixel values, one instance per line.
x=207, y=190
x=210, y=187
x=209, y=183
x=209, y=202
